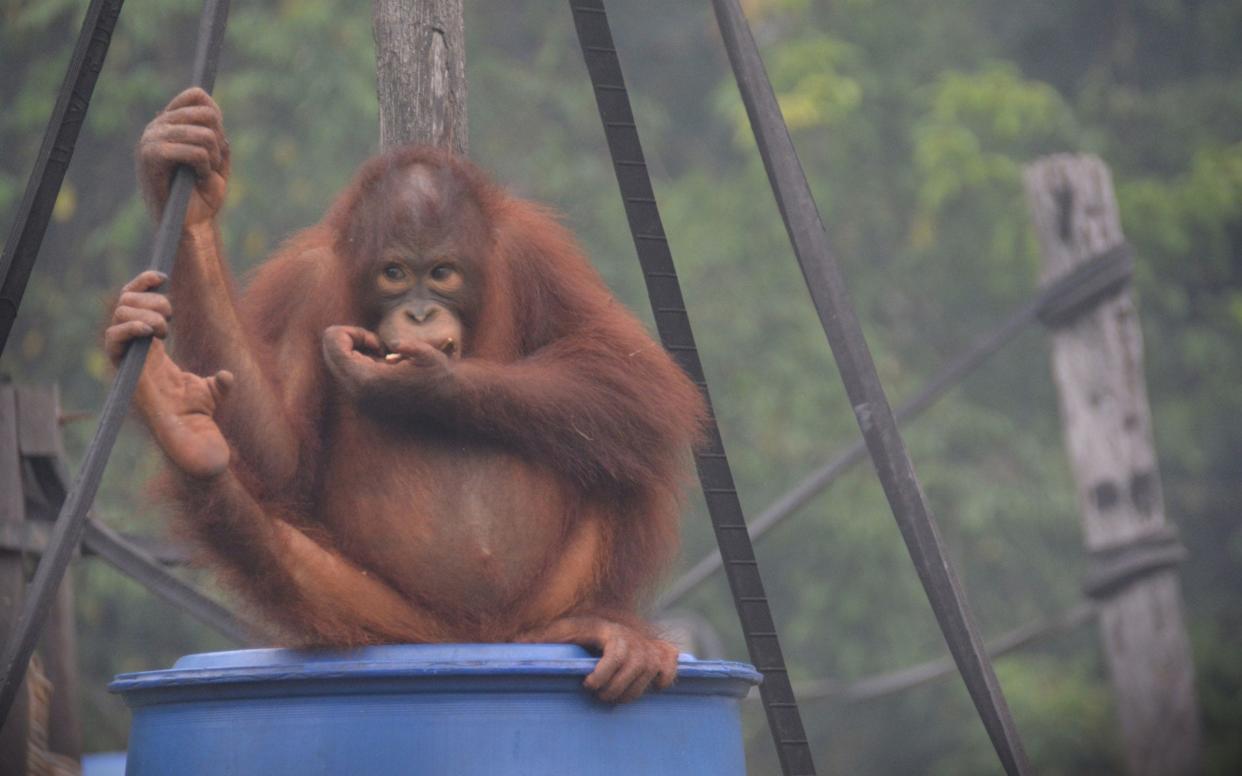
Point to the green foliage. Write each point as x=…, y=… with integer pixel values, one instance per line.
x=914, y=122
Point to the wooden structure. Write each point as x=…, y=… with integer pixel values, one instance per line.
x=1097, y=362
x=43, y=732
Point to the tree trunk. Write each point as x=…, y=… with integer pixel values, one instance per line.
x=1097, y=363
x=420, y=67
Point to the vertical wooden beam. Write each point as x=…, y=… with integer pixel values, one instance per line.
x=420, y=68
x=38, y=436
x=1097, y=363
x=16, y=728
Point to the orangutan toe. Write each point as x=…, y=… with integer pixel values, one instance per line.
x=631, y=664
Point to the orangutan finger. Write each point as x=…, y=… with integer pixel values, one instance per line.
x=147, y=300
x=195, y=95
x=118, y=337
x=198, y=115
x=220, y=384
x=158, y=323
x=665, y=676
x=619, y=686
x=194, y=157
x=613, y=660
x=145, y=281
x=192, y=135
x=638, y=686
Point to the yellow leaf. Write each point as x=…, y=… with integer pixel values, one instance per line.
x=66, y=203
x=97, y=365
x=32, y=344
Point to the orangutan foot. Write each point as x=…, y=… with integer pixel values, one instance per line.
x=631, y=661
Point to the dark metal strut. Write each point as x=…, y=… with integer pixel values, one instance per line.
x=72, y=519
x=21, y=249
x=862, y=384
x=673, y=324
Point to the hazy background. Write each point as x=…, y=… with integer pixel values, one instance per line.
x=913, y=120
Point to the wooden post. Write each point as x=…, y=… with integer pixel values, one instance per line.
x=49, y=730
x=420, y=67
x=16, y=728
x=1097, y=363
x=38, y=436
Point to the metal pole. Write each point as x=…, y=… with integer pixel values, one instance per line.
x=664, y=290
x=72, y=519
x=59, y=139
x=862, y=385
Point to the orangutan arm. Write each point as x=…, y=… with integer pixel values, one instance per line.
x=597, y=407
x=209, y=332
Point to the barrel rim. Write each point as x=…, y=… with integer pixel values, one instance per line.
x=400, y=661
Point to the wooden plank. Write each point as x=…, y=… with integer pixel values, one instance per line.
x=59, y=652
x=38, y=436
x=15, y=730
x=38, y=421
x=1097, y=363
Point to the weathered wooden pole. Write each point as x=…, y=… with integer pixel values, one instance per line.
x=15, y=730
x=420, y=72
x=1097, y=363
x=38, y=437
x=43, y=726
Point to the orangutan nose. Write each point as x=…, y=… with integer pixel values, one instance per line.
x=422, y=312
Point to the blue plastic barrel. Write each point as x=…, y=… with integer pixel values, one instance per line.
x=427, y=710
x=103, y=764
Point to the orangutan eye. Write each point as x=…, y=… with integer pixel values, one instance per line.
x=394, y=272
x=442, y=272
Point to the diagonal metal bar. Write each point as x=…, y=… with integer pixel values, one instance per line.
x=1086, y=284
x=71, y=522
x=137, y=563
x=862, y=384
x=21, y=249
x=673, y=323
